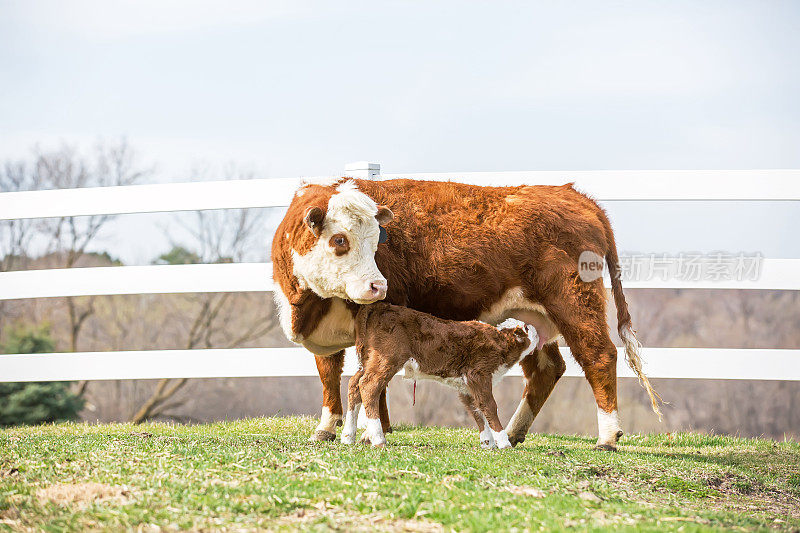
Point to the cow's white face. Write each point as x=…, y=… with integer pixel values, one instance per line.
x=341, y=263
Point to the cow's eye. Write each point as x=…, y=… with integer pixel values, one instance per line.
x=339, y=244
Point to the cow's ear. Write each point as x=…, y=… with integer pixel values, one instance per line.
x=384, y=215
x=313, y=219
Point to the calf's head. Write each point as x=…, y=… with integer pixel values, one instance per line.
x=343, y=225
x=525, y=336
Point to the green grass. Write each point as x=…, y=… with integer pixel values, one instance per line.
x=263, y=473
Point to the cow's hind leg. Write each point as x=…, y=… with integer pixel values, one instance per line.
x=600, y=368
x=579, y=312
x=485, y=433
x=542, y=370
x=330, y=373
x=597, y=355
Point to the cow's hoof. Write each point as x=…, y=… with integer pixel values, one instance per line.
x=606, y=448
x=339, y=423
x=321, y=435
x=380, y=445
x=388, y=430
x=514, y=440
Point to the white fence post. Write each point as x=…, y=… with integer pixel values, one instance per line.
x=363, y=170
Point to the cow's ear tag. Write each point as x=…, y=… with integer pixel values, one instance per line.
x=384, y=235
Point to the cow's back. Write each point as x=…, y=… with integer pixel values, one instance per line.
x=454, y=249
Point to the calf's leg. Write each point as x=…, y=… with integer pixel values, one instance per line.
x=353, y=403
x=371, y=384
x=484, y=433
x=383, y=408
x=481, y=389
x=384, y=411
x=330, y=374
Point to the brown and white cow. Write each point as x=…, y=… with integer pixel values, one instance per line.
x=469, y=356
x=459, y=252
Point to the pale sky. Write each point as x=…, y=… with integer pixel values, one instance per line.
x=291, y=88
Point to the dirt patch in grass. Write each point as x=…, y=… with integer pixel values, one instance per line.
x=337, y=519
x=722, y=492
x=754, y=496
x=83, y=494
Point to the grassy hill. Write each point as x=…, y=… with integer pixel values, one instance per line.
x=262, y=473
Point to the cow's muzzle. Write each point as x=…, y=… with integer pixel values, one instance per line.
x=374, y=291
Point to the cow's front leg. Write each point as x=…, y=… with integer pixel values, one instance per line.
x=542, y=369
x=330, y=374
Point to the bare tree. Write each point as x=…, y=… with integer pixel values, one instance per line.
x=224, y=236
x=69, y=237
x=16, y=236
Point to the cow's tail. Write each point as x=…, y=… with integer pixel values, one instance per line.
x=633, y=348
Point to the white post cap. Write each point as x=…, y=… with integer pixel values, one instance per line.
x=363, y=170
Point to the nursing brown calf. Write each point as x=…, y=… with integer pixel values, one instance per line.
x=468, y=356
x=459, y=252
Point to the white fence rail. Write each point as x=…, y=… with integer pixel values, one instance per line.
x=695, y=363
x=607, y=185
x=775, y=274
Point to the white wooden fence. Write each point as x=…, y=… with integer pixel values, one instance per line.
x=751, y=185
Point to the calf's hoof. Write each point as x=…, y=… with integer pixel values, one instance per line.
x=388, y=430
x=380, y=445
x=321, y=435
x=502, y=440
x=348, y=439
x=488, y=444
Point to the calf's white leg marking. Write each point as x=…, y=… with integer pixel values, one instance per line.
x=487, y=440
x=362, y=418
x=501, y=438
x=349, y=430
x=608, y=428
x=375, y=432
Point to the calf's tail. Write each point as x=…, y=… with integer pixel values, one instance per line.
x=633, y=348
